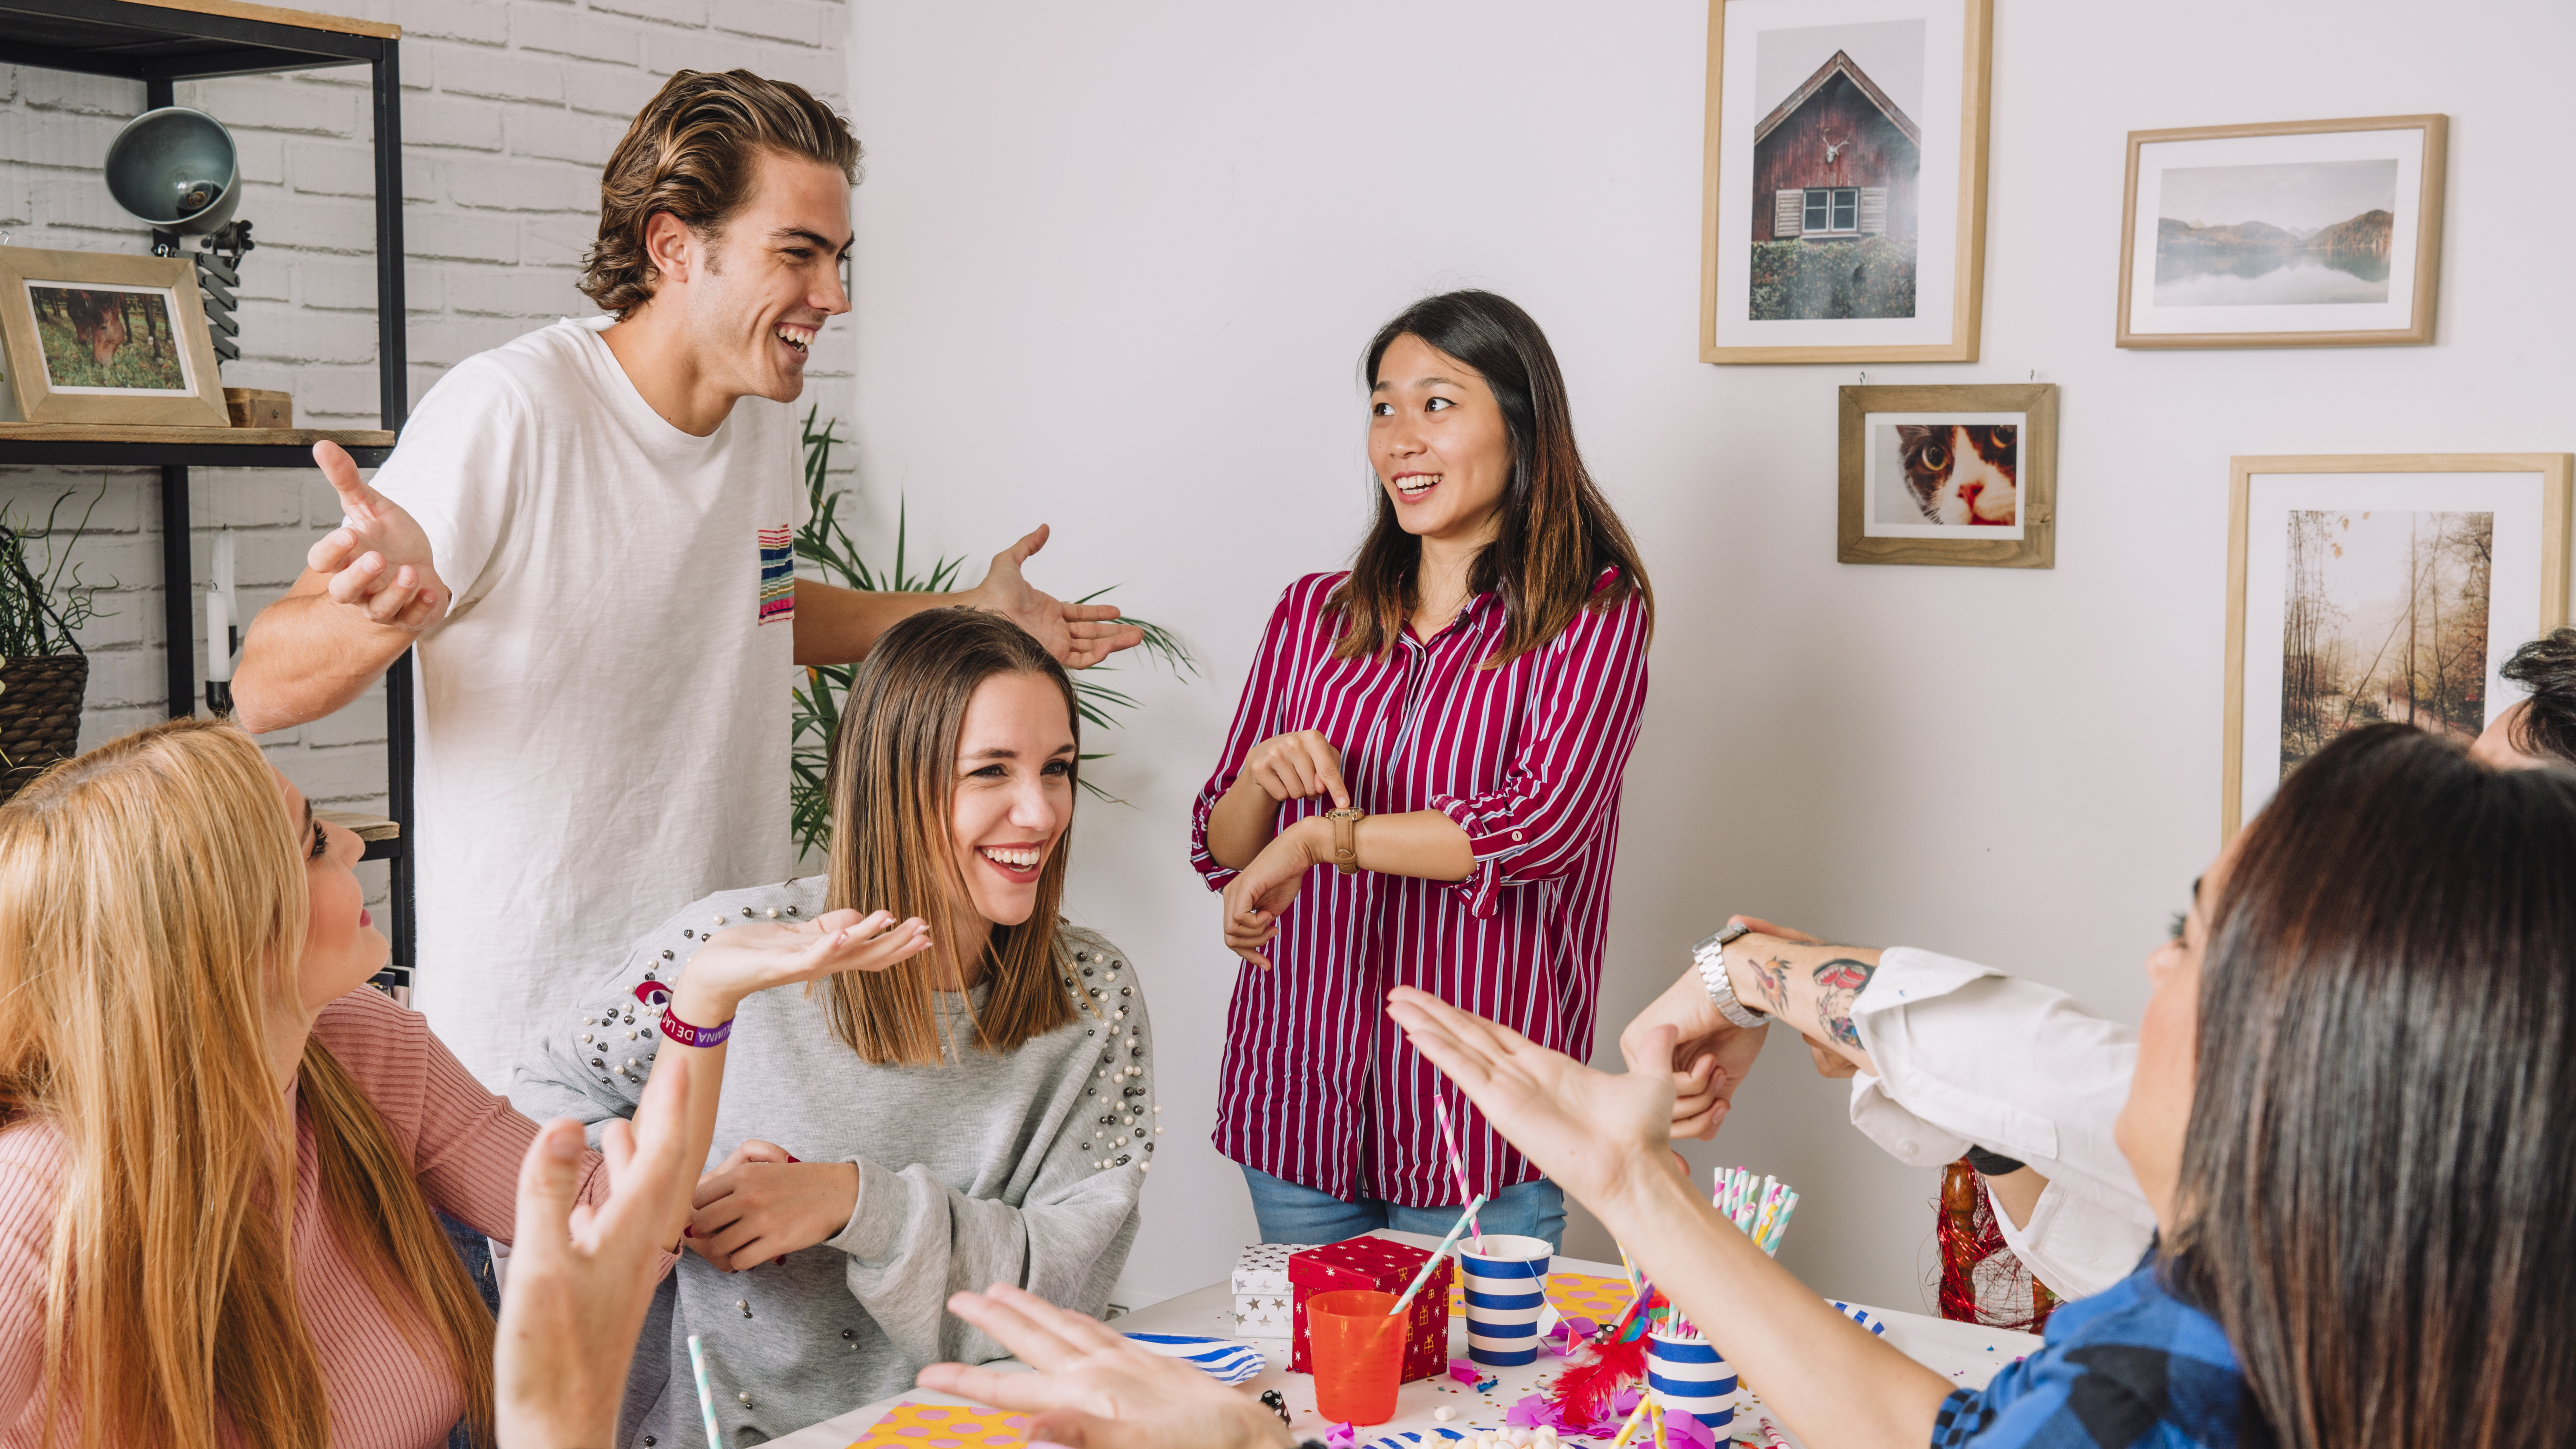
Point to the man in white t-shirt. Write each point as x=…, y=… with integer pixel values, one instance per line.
x=587, y=533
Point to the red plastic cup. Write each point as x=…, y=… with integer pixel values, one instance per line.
x=1359, y=1354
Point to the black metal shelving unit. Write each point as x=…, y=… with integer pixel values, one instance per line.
x=160, y=43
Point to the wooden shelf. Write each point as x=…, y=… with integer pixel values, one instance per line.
x=112, y=445
x=182, y=39
x=222, y=437
x=276, y=15
x=382, y=834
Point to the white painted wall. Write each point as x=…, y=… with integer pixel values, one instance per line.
x=1116, y=263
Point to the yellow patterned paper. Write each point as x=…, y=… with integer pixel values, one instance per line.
x=1573, y=1295
x=945, y=1426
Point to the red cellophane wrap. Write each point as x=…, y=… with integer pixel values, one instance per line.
x=1387, y=1266
x=1981, y=1280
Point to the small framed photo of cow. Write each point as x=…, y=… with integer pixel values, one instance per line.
x=1844, y=196
x=1949, y=475
x=2285, y=234
x=92, y=337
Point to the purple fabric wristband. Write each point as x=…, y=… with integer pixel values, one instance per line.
x=696, y=1036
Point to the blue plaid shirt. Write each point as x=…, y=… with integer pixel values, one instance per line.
x=2129, y=1368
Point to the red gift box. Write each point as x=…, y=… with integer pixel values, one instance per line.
x=1387, y=1266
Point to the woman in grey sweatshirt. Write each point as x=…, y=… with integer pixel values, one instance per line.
x=893, y=1138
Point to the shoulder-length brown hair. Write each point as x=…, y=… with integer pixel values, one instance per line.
x=1558, y=532
x=2375, y=1190
x=891, y=783
x=153, y=905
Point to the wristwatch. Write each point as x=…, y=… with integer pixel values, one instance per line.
x=1710, y=957
x=1346, y=850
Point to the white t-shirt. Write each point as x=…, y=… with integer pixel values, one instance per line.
x=602, y=719
x=1972, y=1055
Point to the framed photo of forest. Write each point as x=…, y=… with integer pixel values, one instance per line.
x=92, y=337
x=2380, y=587
x=1843, y=206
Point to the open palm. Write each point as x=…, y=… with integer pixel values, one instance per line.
x=1078, y=635
x=1592, y=1132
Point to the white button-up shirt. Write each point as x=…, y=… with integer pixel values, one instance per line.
x=1967, y=1055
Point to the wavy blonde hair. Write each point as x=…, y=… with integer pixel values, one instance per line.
x=153, y=905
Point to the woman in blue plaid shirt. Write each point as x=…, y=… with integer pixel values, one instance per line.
x=2356, y=1049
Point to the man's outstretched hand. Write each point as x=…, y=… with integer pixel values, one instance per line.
x=1078, y=635
x=378, y=560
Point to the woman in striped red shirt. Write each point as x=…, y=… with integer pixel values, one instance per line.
x=1446, y=723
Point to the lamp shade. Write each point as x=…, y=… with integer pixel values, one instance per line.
x=177, y=169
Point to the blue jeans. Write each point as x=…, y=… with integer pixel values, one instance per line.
x=1292, y=1214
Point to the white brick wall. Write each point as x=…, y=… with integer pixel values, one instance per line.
x=510, y=107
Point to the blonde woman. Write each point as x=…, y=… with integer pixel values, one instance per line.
x=220, y=1155
x=981, y=1112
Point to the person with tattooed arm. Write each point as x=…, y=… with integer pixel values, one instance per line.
x=1914, y=1032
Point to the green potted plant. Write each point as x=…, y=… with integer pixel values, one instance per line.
x=823, y=543
x=43, y=673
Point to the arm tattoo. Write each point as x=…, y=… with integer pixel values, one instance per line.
x=1838, y=984
x=1774, y=974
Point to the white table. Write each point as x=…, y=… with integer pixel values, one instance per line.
x=1960, y=1352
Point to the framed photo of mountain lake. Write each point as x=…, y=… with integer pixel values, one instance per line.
x=96, y=337
x=2288, y=234
x=2380, y=587
x=1843, y=204
x=1961, y=475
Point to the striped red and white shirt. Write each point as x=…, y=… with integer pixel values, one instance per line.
x=1319, y=1087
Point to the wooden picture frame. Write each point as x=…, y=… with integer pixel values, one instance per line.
x=139, y=319
x=1758, y=303
x=2227, y=276
x=1918, y=448
x=2298, y=600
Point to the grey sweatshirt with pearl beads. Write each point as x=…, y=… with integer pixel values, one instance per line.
x=1016, y=1167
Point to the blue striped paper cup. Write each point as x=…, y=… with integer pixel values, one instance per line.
x=1506, y=1293
x=1690, y=1375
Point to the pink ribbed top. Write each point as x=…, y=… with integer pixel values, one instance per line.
x=464, y=1143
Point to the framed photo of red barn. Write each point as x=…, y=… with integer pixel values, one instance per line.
x=1843, y=207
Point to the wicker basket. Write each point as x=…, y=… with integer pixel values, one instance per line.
x=40, y=716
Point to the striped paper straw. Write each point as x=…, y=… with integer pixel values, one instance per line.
x=1457, y=1163
x=706, y=1396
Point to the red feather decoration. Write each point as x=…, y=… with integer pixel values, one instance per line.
x=1585, y=1389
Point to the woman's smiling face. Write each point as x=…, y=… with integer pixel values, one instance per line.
x=1014, y=798
x=1439, y=443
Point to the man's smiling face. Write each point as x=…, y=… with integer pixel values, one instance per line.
x=771, y=279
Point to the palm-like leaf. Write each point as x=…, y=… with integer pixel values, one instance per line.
x=826, y=547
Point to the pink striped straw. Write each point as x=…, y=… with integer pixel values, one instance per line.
x=1457, y=1164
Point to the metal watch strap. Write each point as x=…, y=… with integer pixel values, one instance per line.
x=1710, y=957
x=1346, y=850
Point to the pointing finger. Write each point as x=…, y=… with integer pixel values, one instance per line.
x=341, y=472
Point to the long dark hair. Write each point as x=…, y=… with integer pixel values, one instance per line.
x=1558, y=532
x=2371, y=1200
x=892, y=779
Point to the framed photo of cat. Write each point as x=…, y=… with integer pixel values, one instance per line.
x=2380, y=587
x=2285, y=234
x=1843, y=201
x=1963, y=475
